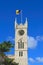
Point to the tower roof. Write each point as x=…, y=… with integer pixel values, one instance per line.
x=21, y=25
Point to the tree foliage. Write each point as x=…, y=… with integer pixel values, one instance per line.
x=5, y=47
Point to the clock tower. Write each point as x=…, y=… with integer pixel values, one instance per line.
x=21, y=43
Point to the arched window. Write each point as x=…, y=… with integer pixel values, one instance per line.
x=20, y=44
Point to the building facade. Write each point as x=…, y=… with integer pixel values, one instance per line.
x=21, y=43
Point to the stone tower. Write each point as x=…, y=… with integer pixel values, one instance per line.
x=21, y=43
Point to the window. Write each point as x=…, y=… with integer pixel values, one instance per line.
x=20, y=53
x=20, y=44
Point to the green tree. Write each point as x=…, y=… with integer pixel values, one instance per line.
x=5, y=47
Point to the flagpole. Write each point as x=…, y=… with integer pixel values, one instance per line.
x=21, y=16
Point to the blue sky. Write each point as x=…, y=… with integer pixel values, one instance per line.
x=33, y=10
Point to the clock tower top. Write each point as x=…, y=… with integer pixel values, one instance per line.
x=21, y=26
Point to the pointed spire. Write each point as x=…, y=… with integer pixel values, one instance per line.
x=15, y=22
x=26, y=22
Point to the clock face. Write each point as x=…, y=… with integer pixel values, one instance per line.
x=21, y=32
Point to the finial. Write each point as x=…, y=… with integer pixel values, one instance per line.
x=25, y=22
x=15, y=22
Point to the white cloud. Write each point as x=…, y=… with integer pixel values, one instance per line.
x=39, y=38
x=10, y=38
x=39, y=59
x=31, y=60
x=32, y=42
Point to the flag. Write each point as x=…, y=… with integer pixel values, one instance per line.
x=18, y=12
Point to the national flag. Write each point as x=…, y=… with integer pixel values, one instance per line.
x=18, y=12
